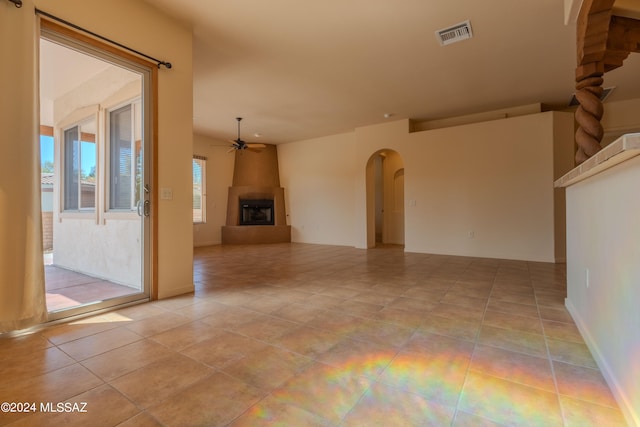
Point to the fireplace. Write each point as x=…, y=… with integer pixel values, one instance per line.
x=256, y=212
x=255, y=203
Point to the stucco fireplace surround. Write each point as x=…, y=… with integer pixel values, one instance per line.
x=256, y=187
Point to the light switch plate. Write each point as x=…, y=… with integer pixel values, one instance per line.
x=166, y=194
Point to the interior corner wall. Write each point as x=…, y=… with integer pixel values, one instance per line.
x=219, y=177
x=318, y=178
x=142, y=27
x=563, y=162
x=620, y=117
x=482, y=189
x=603, y=275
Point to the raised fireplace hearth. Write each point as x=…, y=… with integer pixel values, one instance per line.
x=255, y=203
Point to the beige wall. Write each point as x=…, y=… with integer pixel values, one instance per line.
x=219, y=170
x=563, y=161
x=619, y=118
x=143, y=28
x=318, y=177
x=493, y=179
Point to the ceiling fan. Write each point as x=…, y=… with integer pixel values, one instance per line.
x=239, y=144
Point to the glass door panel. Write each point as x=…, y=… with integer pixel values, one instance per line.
x=97, y=106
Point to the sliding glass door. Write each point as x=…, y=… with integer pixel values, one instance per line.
x=97, y=106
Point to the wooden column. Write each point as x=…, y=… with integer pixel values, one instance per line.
x=604, y=41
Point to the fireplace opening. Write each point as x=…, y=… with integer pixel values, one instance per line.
x=256, y=212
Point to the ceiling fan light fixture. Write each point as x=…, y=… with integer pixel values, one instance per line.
x=239, y=144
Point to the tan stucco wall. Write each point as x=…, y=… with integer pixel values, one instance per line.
x=219, y=171
x=319, y=179
x=494, y=179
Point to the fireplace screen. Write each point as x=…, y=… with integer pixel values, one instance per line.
x=256, y=212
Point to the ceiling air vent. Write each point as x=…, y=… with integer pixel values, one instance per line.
x=605, y=94
x=456, y=33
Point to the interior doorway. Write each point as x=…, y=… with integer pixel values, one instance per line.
x=96, y=115
x=385, y=199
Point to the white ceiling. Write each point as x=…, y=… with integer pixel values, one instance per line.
x=61, y=67
x=302, y=69
x=57, y=77
x=63, y=70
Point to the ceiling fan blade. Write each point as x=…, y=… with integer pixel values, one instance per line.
x=256, y=145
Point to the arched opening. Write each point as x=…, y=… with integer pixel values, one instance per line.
x=385, y=198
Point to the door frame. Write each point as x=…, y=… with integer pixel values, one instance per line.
x=373, y=191
x=149, y=245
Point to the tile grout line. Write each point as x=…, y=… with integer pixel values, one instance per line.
x=549, y=358
x=473, y=352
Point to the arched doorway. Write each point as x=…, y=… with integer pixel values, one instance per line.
x=385, y=198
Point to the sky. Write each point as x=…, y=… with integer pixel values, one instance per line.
x=88, y=155
x=46, y=149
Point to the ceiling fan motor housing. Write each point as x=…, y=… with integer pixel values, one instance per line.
x=239, y=144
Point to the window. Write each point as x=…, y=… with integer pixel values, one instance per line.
x=46, y=150
x=125, y=157
x=80, y=167
x=199, y=195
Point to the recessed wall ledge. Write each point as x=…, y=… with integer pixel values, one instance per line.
x=620, y=150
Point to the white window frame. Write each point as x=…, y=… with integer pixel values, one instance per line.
x=136, y=121
x=78, y=123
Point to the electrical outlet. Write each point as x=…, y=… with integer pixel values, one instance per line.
x=587, y=277
x=471, y=234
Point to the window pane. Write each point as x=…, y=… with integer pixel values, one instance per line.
x=80, y=167
x=121, y=183
x=198, y=190
x=88, y=171
x=71, y=162
x=138, y=152
x=46, y=154
x=138, y=173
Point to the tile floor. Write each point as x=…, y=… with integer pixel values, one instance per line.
x=311, y=335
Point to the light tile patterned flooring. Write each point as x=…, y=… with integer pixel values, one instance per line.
x=312, y=335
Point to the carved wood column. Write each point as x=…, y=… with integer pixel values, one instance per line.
x=592, y=34
x=604, y=41
x=588, y=115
